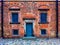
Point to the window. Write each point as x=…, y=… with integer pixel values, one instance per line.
x=14, y=17
x=43, y=31
x=43, y=17
x=15, y=31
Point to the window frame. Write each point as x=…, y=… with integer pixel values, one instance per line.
x=14, y=22
x=43, y=34
x=43, y=11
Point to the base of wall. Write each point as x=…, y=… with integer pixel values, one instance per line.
x=41, y=41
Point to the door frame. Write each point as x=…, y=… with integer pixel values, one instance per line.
x=28, y=21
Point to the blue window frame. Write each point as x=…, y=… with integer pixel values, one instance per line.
x=43, y=17
x=15, y=17
x=43, y=31
x=15, y=31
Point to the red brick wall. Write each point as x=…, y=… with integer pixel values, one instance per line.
x=26, y=12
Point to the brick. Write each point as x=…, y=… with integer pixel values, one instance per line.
x=30, y=10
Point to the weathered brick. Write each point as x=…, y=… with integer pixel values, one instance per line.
x=30, y=10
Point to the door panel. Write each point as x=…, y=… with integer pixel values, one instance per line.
x=29, y=29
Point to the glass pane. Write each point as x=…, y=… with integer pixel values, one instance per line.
x=14, y=17
x=15, y=32
x=43, y=31
x=43, y=17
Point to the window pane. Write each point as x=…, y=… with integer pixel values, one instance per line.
x=15, y=32
x=14, y=17
x=43, y=31
x=43, y=17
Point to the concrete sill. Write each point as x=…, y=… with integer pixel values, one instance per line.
x=27, y=38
